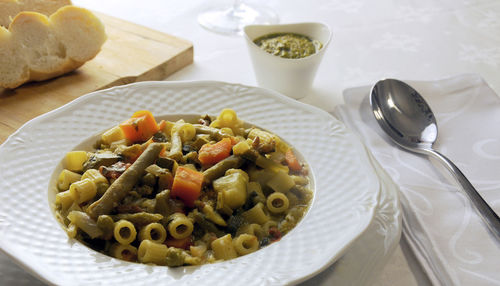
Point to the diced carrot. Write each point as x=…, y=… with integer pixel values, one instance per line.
x=187, y=185
x=292, y=161
x=183, y=243
x=140, y=127
x=210, y=154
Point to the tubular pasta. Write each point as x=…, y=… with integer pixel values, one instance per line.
x=277, y=202
x=125, y=252
x=150, y=252
x=180, y=226
x=66, y=178
x=154, y=232
x=256, y=214
x=245, y=244
x=83, y=190
x=65, y=200
x=124, y=232
x=223, y=248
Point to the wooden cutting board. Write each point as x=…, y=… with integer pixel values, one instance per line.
x=132, y=53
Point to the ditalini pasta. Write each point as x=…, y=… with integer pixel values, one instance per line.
x=124, y=232
x=182, y=193
x=154, y=232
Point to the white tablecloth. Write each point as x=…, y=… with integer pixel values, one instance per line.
x=407, y=39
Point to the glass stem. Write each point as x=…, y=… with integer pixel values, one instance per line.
x=236, y=4
x=237, y=7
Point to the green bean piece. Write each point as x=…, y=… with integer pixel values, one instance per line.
x=162, y=204
x=139, y=219
x=213, y=132
x=201, y=139
x=176, y=148
x=107, y=225
x=208, y=226
x=165, y=181
x=218, y=170
x=269, y=164
x=251, y=154
x=124, y=184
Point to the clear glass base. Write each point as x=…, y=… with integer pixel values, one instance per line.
x=231, y=20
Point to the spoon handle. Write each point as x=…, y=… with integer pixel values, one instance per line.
x=484, y=210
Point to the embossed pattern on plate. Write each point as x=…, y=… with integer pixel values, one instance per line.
x=346, y=188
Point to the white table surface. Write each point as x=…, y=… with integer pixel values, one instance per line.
x=406, y=39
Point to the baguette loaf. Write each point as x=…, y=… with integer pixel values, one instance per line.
x=37, y=47
x=10, y=8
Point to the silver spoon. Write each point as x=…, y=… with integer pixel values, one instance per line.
x=405, y=116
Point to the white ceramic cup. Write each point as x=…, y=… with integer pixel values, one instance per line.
x=292, y=77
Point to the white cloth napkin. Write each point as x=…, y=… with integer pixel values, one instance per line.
x=448, y=238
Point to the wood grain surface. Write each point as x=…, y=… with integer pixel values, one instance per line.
x=132, y=53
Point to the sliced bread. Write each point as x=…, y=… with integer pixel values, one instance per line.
x=36, y=47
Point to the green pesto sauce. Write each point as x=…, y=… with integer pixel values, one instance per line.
x=288, y=45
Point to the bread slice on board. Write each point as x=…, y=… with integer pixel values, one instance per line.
x=36, y=47
x=10, y=8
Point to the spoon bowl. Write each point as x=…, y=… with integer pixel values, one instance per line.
x=409, y=121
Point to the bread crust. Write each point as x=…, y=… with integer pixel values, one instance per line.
x=10, y=8
x=36, y=47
